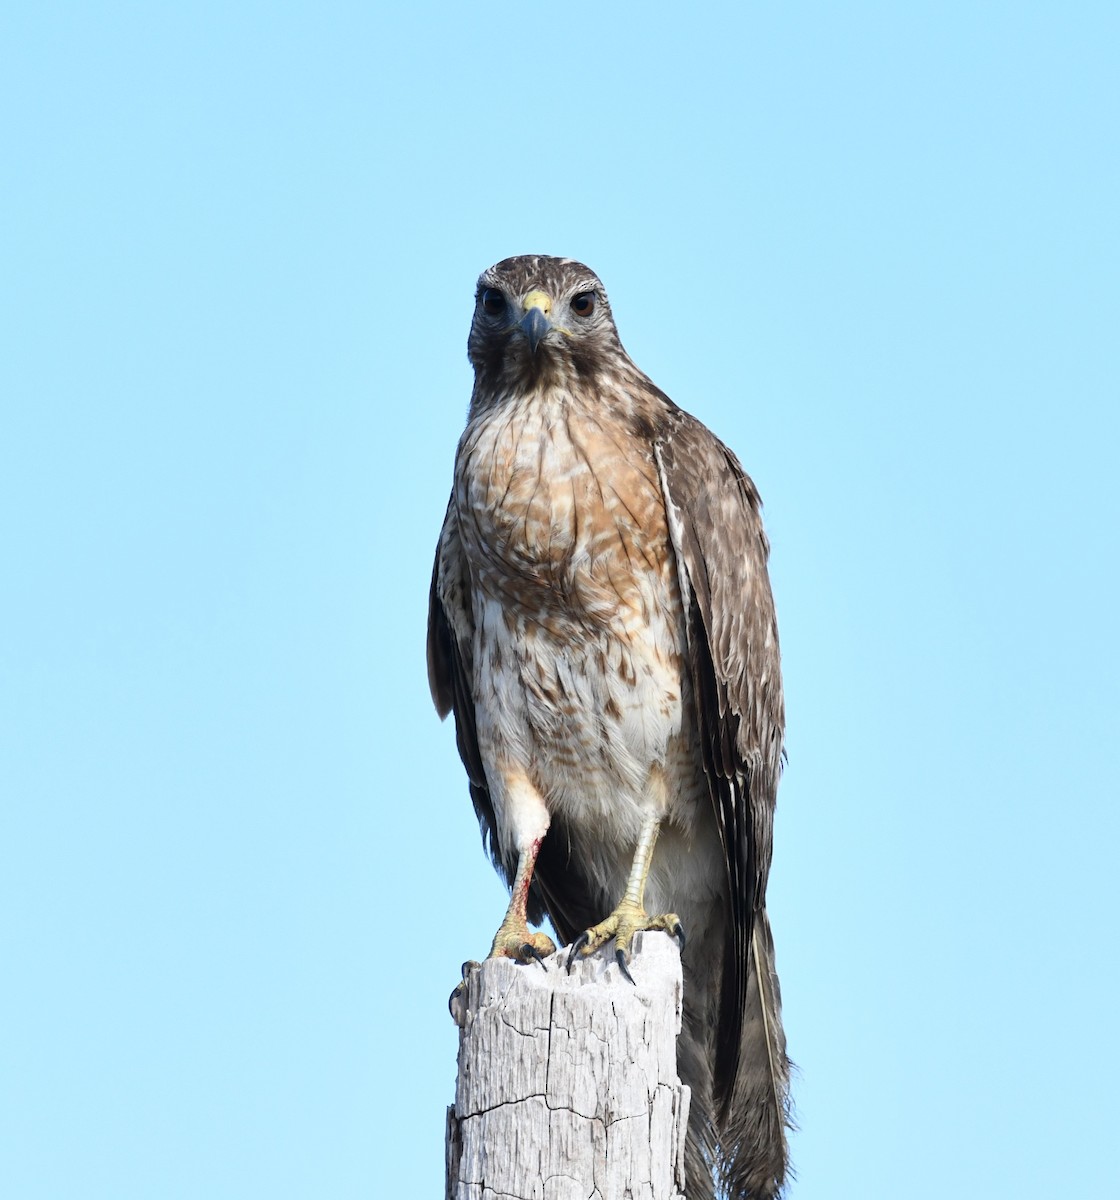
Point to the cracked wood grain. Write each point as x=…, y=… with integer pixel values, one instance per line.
x=567, y=1086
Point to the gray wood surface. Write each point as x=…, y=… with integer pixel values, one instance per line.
x=567, y=1085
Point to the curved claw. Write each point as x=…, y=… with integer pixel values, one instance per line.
x=620, y=957
x=528, y=950
x=577, y=946
x=678, y=933
x=460, y=988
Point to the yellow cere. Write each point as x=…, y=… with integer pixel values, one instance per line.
x=537, y=299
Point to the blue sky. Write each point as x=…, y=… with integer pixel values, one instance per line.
x=873, y=246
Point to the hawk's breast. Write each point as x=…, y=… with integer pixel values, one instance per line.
x=564, y=517
x=577, y=612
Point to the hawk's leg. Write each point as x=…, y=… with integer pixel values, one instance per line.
x=514, y=938
x=630, y=916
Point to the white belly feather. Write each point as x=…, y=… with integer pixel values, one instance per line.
x=577, y=622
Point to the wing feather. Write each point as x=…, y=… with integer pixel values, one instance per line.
x=450, y=674
x=716, y=529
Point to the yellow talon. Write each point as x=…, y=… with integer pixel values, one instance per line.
x=626, y=920
x=516, y=940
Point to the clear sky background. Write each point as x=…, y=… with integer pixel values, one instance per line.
x=874, y=246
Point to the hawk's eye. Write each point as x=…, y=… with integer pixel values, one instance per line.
x=493, y=302
x=583, y=305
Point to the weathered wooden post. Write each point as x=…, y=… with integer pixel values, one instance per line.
x=567, y=1085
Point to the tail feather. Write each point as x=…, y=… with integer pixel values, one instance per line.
x=694, y=1064
x=754, y=1152
x=737, y=1148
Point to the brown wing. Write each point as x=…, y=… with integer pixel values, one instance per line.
x=450, y=672
x=716, y=528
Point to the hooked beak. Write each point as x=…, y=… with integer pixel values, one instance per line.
x=535, y=323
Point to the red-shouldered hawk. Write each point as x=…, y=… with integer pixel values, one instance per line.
x=603, y=629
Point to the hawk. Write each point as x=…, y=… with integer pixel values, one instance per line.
x=602, y=626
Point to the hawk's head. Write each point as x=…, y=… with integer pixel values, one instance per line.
x=540, y=320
